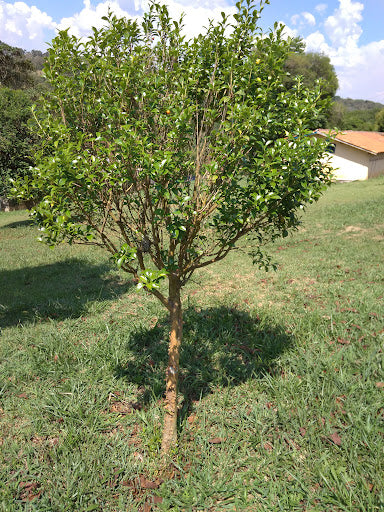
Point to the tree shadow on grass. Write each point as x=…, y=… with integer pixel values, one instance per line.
x=221, y=347
x=57, y=291
x=18, y=224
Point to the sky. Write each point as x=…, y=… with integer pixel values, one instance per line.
x=350, y=32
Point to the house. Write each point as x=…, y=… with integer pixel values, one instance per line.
x=355, y=155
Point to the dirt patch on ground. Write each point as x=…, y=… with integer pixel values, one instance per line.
x=353, y=229
x=215, y=285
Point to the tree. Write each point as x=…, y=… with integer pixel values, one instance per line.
x=380, y=121
x=15, y=68
x=20, y=85
x=349, y=114
x=336, y=116
x=167, y=152
x=312, y=67
x=37, y=59
x=17, y=141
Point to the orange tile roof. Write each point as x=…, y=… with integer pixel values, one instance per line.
x=373, y=142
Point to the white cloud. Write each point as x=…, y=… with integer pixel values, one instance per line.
x=288, y=32
x=303, y=19
x=364, y=78
x=360, y=68
x=25, y=26
x=196, y=15
x=316, y=42
x=321, y=8
x=10, y=27
x=309, y=18
x=343, y=27
x=81, y=23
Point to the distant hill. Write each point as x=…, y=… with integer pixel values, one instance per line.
x=351, y=114
x=350, y=104
x=37, y=58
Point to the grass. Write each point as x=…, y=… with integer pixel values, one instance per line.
x=281, y=382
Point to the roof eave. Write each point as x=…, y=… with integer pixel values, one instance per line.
x=326, y=135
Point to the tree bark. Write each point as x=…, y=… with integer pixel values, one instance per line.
x=172, y=375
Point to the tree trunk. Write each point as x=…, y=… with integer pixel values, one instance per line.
x=172, y=375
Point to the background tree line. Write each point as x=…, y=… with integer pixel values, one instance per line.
x=345, y=113
x=348, y=114
x=22, y=82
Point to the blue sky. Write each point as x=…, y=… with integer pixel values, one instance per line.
x=350, y=32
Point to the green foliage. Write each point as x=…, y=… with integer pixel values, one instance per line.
x=21, y=82
x=348, y=114
x=15, y=68
x=37, y=58
x=336, y=115
x=350, y=104
x=380, y=120
x=313, y=68
x=173, y=150
x=17, y=141
x=358, y=120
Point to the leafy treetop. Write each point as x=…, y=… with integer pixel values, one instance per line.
x=380, y=120
x=17, y=140
x=174, y=148
x=15, y=68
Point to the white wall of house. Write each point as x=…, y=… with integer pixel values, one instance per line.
x=350, y=163
x=376, y=166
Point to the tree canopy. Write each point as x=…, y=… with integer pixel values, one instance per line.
x=380, y=120
x=21, y=82
x=15, y=68
x=349, y=114
x=313, y=68
x=167, y=151
x=17, y=140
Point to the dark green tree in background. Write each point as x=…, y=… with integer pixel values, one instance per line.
x=16, y=71
x=380, y=120
x=312, y=67
x=20, y=85
x=17, y=140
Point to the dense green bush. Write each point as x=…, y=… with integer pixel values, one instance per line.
x=17, y=140
x=380, y=121
x=16, y=70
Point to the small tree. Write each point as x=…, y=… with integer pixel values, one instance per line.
x=313, y=67
x=167, y=152
x=15, y=68
x=380, y=120
x=17, y=140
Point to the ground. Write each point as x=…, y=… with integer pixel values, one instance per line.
x=282, y=376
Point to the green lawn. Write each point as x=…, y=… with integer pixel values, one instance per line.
x=282, y=376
